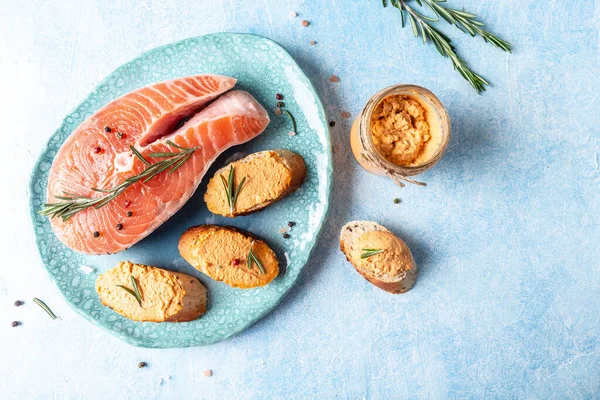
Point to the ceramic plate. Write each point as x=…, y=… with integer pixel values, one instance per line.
x=264, y=69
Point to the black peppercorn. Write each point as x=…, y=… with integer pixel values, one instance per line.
x=291, y=224
x=96, y=234
x=15, y=324
x=396, y=201
x=119, y=227
x=286, y=236
x=142, y=365
x=129, y=213
x=18, y=303
x=107, y=129
x=332, y=123
x=280, y=104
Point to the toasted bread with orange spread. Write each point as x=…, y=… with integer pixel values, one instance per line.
x=165, y=296
x=379, y=256
x=268, y=176
x=222, y=253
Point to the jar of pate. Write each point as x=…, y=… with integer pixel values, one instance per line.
x=402, y=131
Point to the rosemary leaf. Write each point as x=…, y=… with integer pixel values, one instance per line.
x=136, y=289
x=135, y=292
x=230, y=187
x=131, y=292
x=166, y=154
x=139, y=155
x=224, y=182
x=253, y=259
x=370, y=252
x=292, y=119
x=44, y=307
x=237, y=191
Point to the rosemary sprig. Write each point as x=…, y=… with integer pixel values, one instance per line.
x=231, y=192
x=292, y=119
x=422, y=26
x=370, y=252
x=253, y=259
x=44, y=307
x=135, y=292
x=71, y=204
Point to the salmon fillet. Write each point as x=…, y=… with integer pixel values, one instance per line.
x=98, y=155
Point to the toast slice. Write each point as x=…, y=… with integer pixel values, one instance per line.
x=222, y=253
x=379, y=256
x=166, y=296
x=268, y=176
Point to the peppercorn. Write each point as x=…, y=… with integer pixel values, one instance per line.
x=18, y=303
x=280, y=104
x=15, y=324
x=332, y=123
x=279, y=96
x=119, y=227
x=142, y=365
x=129, y=213
x=96, y=234
x=107, y=129
x=291, y=224
x=286, y=235
x=396, y=200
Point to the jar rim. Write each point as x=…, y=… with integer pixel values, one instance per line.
x=364, y=127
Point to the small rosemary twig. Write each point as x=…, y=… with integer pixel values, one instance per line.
x=135, y=292
x=253, y=259
x=71, y=204
x=44, y=307
x=370, y=252
x=230, y=191
x=292, y=119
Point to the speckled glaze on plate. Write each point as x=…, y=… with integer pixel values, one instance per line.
x=263, y=68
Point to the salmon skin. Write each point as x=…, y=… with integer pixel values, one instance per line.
x=98, y=155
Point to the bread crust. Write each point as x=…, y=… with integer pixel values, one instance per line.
x=225, y=259
x=401, y=283
x=293, y=162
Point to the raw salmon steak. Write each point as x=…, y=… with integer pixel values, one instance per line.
x=98, y=155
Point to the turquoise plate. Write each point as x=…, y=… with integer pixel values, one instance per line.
x=263, y=68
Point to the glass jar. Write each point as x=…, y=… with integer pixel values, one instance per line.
x=372, y=161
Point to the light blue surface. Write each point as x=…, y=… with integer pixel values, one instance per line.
x=264, y=69
x=506, y=233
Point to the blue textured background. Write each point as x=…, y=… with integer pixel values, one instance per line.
x=506, y=233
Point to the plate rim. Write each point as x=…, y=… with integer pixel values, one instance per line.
x=138, y=342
